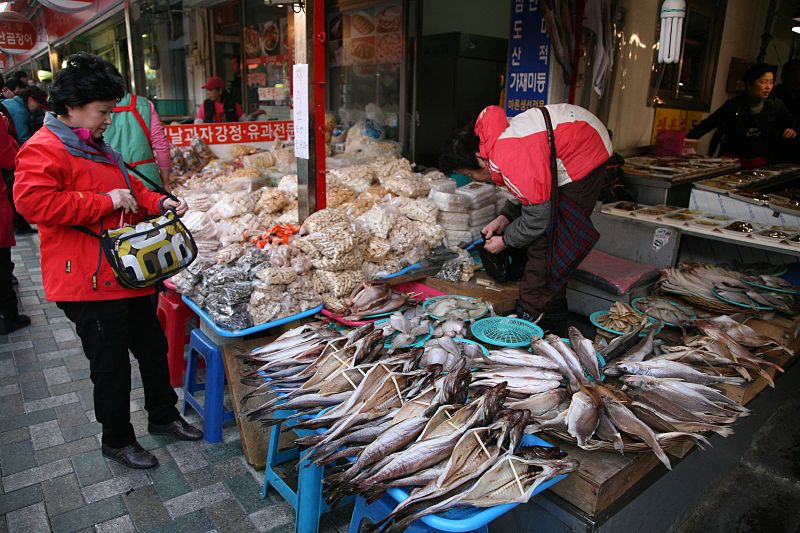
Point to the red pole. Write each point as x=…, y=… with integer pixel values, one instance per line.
x=576, y=54
x=319, y=99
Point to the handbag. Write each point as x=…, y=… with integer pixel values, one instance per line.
x=508, y=265
x=149, y=252
x=570, y=232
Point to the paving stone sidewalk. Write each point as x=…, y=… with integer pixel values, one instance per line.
x=53, y=475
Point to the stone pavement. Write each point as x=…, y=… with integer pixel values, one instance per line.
x=53, y=475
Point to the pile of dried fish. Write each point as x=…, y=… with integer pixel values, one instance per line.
x=457, y=308
x=449, y=353
x=666, y=310
x=405, y=328
x=621, y=317
x=771, y=281
x=367, y=299
x=749, y=296
x=695, y=284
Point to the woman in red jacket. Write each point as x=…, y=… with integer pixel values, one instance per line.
x=68, y=176
x=10, y=319
x=515, y=154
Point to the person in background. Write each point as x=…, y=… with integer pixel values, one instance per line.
x=22, y=78
x=136, y=132
x=751, y=124
x=220, y=106
x=22, y=108
x=10, y=319
x=515, y=154
x=39, y=98
x=11, y=89
x=789, y=92
x=68, y=176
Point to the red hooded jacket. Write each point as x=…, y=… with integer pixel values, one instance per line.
x=519, y=154
x=62, y=181
x=8, y=151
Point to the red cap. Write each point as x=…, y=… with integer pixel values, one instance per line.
x=214, y=82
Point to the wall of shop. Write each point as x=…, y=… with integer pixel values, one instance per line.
x=478, y=17
x=630, y=118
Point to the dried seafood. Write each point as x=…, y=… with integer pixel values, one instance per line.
x=621, y=317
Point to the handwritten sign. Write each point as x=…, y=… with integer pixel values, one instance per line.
x=17, y=34
x=528, y=58
x=231, y=132
x=300, y=86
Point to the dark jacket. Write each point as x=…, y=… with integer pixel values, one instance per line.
x=229, y=106
x=744, y=134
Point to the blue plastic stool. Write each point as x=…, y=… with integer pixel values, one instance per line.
x=212, y=411
x=307, y=501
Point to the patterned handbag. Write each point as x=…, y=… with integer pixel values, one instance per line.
x=149, y=252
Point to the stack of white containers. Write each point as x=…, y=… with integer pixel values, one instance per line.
x=482, y=201
x=453, y=211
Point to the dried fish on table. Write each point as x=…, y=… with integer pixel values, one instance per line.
x=458, y=308
x=666, y=310
x=621, y=317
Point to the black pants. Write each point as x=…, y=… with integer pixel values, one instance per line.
x=108, y=329
x=8, y=298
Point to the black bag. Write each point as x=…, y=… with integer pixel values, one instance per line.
x=508, y=265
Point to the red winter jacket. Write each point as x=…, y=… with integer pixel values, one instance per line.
x=8, y=151
x=519, y=154
x=62, y=181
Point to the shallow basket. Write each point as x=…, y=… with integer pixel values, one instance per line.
x=505, y=331
x=434, y=299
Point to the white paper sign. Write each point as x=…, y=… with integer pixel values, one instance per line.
x=661, y=237
x=300, y=89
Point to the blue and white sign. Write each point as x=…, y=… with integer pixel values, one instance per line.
x=528, y=58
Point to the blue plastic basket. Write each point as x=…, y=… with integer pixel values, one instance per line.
x=593, y=318
x=472, y=518
x=505, y=331
x=421, y=340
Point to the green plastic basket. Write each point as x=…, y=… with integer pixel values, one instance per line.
x=505, y=331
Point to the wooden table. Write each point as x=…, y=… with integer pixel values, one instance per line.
x=503, y=296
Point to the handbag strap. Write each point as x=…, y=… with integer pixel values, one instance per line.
x=551, y=140
x=156, y=186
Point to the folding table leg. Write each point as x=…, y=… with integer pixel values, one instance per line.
x=309, y=503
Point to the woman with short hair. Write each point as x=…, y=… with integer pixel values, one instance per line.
x=68, y=177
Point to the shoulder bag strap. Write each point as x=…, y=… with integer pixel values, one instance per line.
x=551, y=140
x=156, y=186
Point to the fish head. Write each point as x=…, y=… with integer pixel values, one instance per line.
x=549, y=453
x=456, y=384
x=495, y=399
x=614, y=369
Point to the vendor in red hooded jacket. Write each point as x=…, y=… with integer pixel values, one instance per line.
x=68, y=176
x=515, y=154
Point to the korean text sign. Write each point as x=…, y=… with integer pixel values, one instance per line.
x=528, y=58
x=231, y=132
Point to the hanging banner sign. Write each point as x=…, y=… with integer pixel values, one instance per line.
x=17, y=34
x=231, y=132
x=528, y=76
x=67, y=6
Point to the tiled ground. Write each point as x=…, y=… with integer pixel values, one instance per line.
x=53, y=475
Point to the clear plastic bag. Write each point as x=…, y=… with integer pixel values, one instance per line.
x=443, y=184
x=451, y=203
x=477, y=194
x=459, y=269
x=421, y=209
x=341, y=283
x=379, y=220
x=271, y=201
x=448, y=219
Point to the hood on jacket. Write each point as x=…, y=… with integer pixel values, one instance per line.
x=489, y=126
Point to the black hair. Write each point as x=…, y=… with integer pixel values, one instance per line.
x=86, y=78
x=37, y=93
x=2, y=80
x=18, y=75
x=459, y=150
x=756, y=71
x=13, y=84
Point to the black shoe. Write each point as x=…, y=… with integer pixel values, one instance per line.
x=132, y=456
x=9, y=325
x=179, y=429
